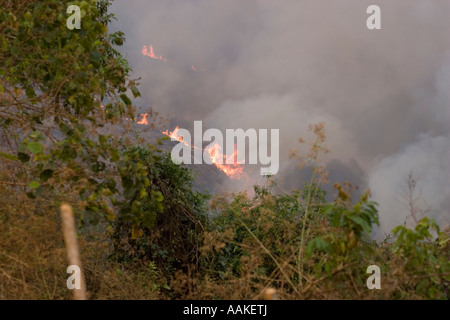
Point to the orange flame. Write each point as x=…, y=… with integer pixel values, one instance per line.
x=174, y=135
x=234, y=171
x=144, y=119
x=150, y=53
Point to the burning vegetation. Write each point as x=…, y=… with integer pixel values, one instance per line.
x=145, y=231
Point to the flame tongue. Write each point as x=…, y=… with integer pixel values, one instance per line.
x=234, y=171
x=144, y=119
x=174, y=135
x=150, y=53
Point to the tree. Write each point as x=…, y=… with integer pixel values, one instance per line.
x=64, y=95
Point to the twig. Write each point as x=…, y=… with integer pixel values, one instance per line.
x=73, y=253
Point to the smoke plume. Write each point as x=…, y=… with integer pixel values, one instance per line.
x=383, y=94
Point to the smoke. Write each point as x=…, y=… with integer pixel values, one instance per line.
x=383, y=95
x=427, y=159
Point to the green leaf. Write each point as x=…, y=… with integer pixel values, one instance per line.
x=328, y=209
x=68, y=153
x=149, y=219
x=30, y=92
x=136, y=232
x=46, y=174
x=31, y=195
x=23, y=157
x=317, y=244
x=95, y=58
x=8, y=156
x=34, y=147
x=115, y=156
x=37, y=120
x=336, y=219
x=158, y=196
x=125, y=99
x=66, y=129
x=135, y=92
x=102, y=140
x=362, y=223
x=34, y=184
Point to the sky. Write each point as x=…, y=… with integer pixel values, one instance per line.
x=383, y=94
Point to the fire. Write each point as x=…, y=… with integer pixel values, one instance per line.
x=234, y=171
x=150, y=53
x=144, y=119
x=174, y=135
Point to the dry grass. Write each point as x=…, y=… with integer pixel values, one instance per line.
x=33, y=259
x=33, y=264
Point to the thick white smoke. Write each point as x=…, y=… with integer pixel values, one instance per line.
x=428, y=160
x=285, y=64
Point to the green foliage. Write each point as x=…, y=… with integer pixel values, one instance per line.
x=163, y=218
x=352, y=224
x=271, y=241
x=317, y=244
x=54, y=83
x=425, y=256
x=274, y=219
x=343, y=242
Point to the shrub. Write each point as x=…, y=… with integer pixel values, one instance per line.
x=168, y=227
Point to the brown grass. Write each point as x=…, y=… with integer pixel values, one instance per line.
x=33, y=259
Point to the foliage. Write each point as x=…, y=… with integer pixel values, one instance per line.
x=169, y=224
x=274, y=219
x=63, y=97
x=255, y=244
x=425, y=256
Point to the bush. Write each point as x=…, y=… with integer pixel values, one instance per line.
x=168, y=228
x=309, y=249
